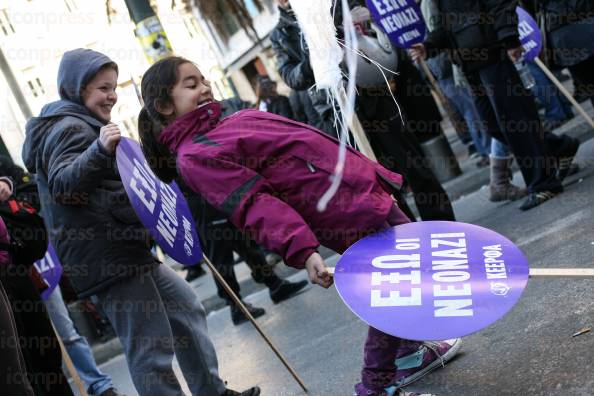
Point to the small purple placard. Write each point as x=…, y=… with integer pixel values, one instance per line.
x=161, y=207
x=530, y=35
x=400, y=19
x=50, y=269
x=432, y=280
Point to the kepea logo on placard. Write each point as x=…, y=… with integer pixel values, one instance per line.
x=400, y=19
x=431, y=280
x=162, y=208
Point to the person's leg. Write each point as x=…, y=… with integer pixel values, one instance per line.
x=399, y=151
x=193, y=348
x=77, y=347
x=136, y=311
x=548, y=95
x=13, y=371
x=515, y=111
x=40, y=347
x=392, y=361
x=583, y=72
x=262, y=272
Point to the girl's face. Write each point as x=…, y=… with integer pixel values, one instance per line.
x=99, y=95
x=191, y=91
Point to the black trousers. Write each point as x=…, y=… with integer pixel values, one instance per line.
x=398, y=149
x=13, y=370
x=584, y=73
x=39, y=345
x=510, y=115
x=220, y=239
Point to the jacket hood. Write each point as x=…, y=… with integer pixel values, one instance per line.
x=37, y=127
x=202, y=119
x=77, y=68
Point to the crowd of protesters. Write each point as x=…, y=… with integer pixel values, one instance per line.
x=74, y=184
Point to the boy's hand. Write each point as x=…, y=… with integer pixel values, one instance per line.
x=109, y=137
x=317, y=272
x=5, y=191
x=515, y=53
x=417, y=51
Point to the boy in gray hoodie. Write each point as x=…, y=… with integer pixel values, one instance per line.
x=101, y=242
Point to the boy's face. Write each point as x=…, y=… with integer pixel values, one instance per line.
x=99, y=95
x=191, y=91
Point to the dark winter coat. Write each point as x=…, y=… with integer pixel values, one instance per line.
x=569, y=28
x=477, y=32
x=91, y=224
x=303, y=109
x=279, y=105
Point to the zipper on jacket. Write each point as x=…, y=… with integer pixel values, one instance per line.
x=310, y=167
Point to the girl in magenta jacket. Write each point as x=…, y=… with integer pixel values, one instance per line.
x=267, y=173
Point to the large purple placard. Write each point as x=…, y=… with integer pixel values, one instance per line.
x=530, y=35
x=400, y=19
x=432, y=280
x=161, y=207
x=50, y=269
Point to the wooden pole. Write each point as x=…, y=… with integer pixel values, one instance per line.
x=355, y=126
x=548, y=272
x=245, y=311
x=70, y=365
x=569, y=97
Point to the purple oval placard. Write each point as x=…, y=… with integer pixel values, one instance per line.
x=50, y=269
x=400, y=19
x=432, y=280
x=530, y=35
x=161, y=207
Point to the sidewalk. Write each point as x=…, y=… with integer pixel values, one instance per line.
x=471, y=180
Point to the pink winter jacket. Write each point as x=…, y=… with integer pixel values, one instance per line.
x=267, y=173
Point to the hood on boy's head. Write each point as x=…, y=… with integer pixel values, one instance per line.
x=77, y=68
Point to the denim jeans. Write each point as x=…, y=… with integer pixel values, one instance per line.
x=557, y=107
x=461, y=99
x=499, y=149
x=77, y=347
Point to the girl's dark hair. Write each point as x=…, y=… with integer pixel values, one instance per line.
x=156, y=86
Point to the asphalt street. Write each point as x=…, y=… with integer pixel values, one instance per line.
x=530, y=351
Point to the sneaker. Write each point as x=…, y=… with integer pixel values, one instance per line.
x=565, y=161
x=428, y=357
x=255, y=391
x=237, y=316
x=285, y=290
x=535, y=199
x=360, y=390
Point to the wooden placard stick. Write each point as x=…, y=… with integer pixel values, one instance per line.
x=569, y=97
x=70, y=366
x=547, y=272
x=247, y=313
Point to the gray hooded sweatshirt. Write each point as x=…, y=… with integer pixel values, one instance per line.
x=91, y=224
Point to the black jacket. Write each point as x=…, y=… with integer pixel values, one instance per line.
x=477, y=32
x=94, y=229
x=292, y=58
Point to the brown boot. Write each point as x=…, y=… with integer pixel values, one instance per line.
x=500, y=188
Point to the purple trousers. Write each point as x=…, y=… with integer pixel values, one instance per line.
x=381, y=349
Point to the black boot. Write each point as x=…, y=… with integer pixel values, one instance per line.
x=285, y=290
x=255, y=391
x=238, y=317
x=195, y=272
